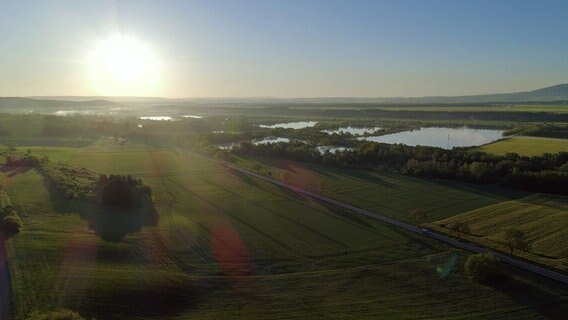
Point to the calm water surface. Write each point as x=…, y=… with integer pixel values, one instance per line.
x=446, y=138
x=291, y=125
x=157, y=118
x=356, y=131
x=270, y=140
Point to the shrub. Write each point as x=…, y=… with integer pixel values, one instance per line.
x=62, y=314
x=482, y=267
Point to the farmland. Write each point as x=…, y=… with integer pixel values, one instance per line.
x=543, y=218
x=228, y=245
x=444, y=202
x=526, y=146
x=392, y=195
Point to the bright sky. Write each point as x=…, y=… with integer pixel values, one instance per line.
x=281, y=48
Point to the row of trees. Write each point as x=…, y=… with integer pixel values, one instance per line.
x=547, y=173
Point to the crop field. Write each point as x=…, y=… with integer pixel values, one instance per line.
x=543, y=218
x=393, y=195
x=231, y=246
x=526, y=146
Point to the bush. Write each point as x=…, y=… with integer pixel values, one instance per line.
x=11, y=224
x=71, y=183
x=482, y=267
x=62, y=314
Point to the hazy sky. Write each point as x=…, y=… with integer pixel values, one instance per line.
x=288, y=48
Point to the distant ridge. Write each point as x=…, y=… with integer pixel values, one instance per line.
x=556, y=93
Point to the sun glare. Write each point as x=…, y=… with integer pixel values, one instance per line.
x=124, y=66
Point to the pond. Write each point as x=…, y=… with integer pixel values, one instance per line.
x=269, y=140
x=446, y=138
x=332, y=149
x=356, y=131
x=157, y=118
x=192, y=116
x=227, y=146
x=291, y=125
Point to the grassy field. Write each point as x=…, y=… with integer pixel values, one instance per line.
x=526, y=146
x=543, y=218
x=231, y=246
x=393, y=195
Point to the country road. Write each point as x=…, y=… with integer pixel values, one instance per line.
x=521, y=264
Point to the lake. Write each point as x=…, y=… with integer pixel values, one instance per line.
x=291, y=125
x=446, y=138
x=157, y=118
x=270, y=140
x=356, y=131
x=267, y=140
x=192, y=116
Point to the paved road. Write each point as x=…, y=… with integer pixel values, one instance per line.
x=545, y=272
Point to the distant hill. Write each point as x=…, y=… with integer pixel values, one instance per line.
x=557, y=93
x=26, y=105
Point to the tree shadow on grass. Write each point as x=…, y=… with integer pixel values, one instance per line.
x=12, y=171
x=541, y=295
x=146, y=300
x=110, y=223
x=114, y=223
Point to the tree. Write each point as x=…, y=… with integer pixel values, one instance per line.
x=11, y=224
x=257, y=167
x=516, y=239
x=460, y=227
x=482, y=267
x=418, y=216
x=321, y=185
x=285, y=175
x=123, y=191
x=220, y=155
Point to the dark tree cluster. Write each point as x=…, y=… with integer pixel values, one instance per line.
x=10, y=222
x=27, y=160
x=122, y=191
x=547, y=173
x=482, y=267
x=541, y=130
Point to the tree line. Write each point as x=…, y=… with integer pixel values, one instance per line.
x=547, y=173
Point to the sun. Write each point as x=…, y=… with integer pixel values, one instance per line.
x=122, y=66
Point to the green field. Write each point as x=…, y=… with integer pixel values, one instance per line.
x=232, y=246
x=543, y=218
x=526, y=146
x=392, y=195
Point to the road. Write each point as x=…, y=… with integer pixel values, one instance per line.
x=521, y=264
